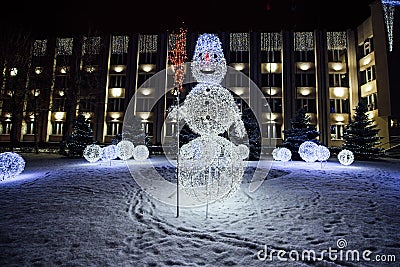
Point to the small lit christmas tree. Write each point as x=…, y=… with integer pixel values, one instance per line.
x=361, y=135
x=301, y=130
x=82, y=136
x=133, y=131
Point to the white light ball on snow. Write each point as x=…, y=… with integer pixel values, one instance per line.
x=345, y=157
x=92, y=153
x=11, y=165
x=284, y=154
x=308, y=151
x=275, y=153
x=109, y=152
x=140, y=152
x=243, y=151
x=125, y=149
x=323, y=153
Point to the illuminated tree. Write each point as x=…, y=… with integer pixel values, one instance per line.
x=361, y=135
x=81, y=137
x=301, y=130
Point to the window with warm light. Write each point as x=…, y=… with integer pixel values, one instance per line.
x=6, y=127
x=308, y=104
x=337, y=131
x=30, y=127
x=57, y=127
x=114, y=128
x=339, y=106
x=338, y=80
x=115, y=104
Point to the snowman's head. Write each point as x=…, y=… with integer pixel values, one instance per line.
x=209, y=64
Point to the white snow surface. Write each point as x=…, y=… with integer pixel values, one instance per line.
x=69, y=212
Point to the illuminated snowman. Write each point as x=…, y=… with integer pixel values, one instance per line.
x=211, y=167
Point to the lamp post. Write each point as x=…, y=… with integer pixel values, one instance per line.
x=35, y=93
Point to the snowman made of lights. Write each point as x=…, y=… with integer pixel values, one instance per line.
x=211, y=167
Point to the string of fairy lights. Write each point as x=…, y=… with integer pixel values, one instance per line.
x=336, y=40
x=120, y=44
x=388, y=13
x=303, y=41
x=64, y=46
x=177, y=56
x=148, y=43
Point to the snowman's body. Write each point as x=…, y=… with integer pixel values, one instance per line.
x=211, y=167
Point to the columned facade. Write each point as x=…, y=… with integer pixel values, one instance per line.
x=326, y=73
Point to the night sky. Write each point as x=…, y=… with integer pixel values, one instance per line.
x=67, y=17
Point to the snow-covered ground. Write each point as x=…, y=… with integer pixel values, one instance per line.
x=69, y=212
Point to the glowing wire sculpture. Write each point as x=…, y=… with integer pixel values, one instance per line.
x=92, y=153
x=345, y=157
x=109, y=152
x=210, y=167
x=11, y=165
x=140, y=152
x=125, y=149
x=308, y=151
x=284, y=154
x=323, y=153
x=275, y=153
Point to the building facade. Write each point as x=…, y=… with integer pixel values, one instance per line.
x=327, y=73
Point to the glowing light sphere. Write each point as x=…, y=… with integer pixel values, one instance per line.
x=275, y=153
x=141, y=152
x=308, y=151
x=208, y=64
x=109, y=152
x=345, y=157
x=243, y=151
x=11, y=164
x=216, y=178
x=92, y=153
x=210, y=109
x=125, y=149
x=284, y=154
x=323, y=153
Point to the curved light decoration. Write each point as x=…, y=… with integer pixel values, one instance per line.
x=140, y=152
x=345, y=157
x=92, y=153
x=11, y=165
x=308, y=151
x=125, y=149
